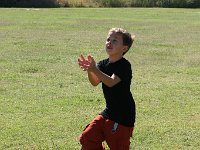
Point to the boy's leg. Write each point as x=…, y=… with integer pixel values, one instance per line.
x=119, y=139
x=92, y=137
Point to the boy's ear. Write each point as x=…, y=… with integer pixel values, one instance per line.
x=125, y=48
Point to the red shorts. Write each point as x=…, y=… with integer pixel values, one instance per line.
x=101, y=129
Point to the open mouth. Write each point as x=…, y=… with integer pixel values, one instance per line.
x=109, y=47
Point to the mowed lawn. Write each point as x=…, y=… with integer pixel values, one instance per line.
x=46, y=100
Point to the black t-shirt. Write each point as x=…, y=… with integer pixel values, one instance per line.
x=120, y=105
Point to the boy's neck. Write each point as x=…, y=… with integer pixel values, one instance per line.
x=114, y=59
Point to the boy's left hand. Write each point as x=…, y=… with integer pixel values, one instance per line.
x=88, y=64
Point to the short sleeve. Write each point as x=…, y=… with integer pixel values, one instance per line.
x=124, y=72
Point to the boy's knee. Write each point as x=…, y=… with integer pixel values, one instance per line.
x=84, y=141
x=81, y=139
x=89, y=144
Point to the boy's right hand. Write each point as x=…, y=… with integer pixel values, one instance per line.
x=88, y=64
x=82, y=62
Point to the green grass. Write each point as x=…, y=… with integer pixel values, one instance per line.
x=46, y=100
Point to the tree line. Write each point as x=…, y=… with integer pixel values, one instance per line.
x=101, y=3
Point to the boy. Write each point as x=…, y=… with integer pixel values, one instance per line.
x=115, y=123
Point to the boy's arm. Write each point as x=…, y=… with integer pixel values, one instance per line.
x=106, y=79
x=95, y=75
x=93, y=78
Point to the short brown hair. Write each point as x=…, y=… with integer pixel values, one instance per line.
x=126, y=36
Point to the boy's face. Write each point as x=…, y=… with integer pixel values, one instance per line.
x=114, y=44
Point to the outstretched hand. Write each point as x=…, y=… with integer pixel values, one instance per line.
x=87, y=64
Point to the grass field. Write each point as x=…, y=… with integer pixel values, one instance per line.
x=46, y=100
